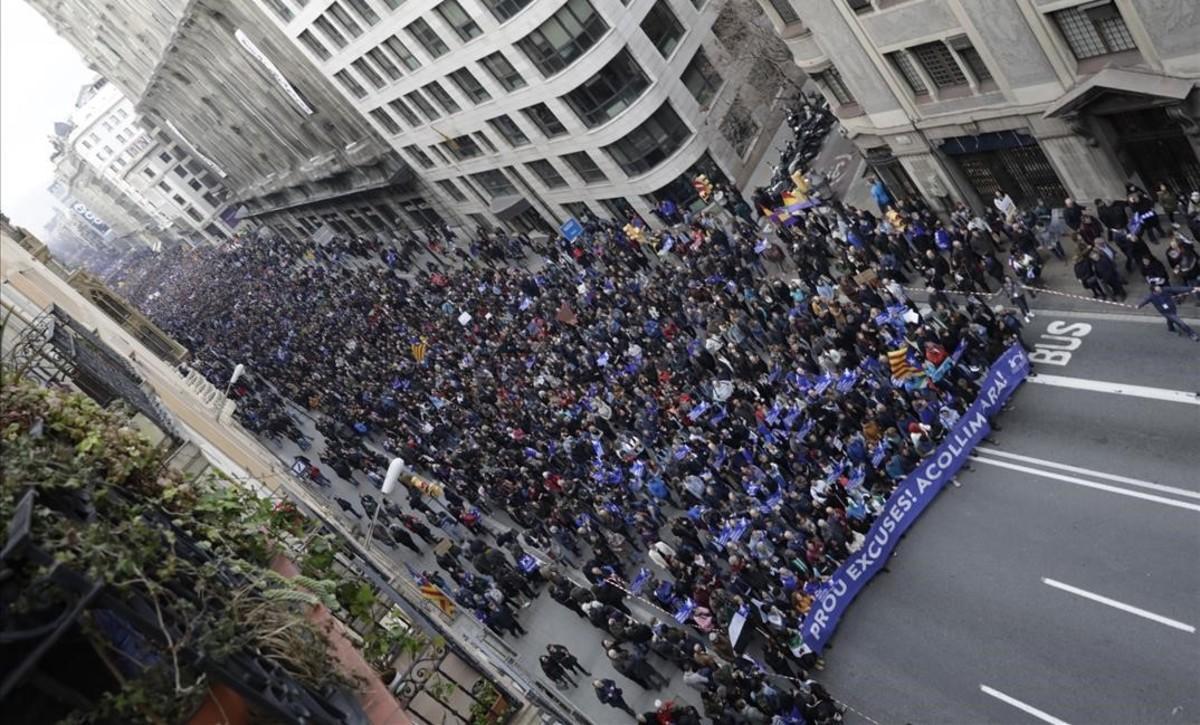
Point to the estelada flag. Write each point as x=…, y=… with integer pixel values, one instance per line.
x=419, y=350
x=565, y=314
x=898, y=360
x=435, y=595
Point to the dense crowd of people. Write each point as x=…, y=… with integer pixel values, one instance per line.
x=704, y=417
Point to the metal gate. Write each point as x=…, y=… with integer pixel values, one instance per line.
x=1157, y=149
x=1023, y=173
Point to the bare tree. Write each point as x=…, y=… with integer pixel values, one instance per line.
x=747, y=34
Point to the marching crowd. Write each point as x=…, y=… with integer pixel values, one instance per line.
x=703, y=417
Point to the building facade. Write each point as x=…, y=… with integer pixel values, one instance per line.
x=182, y=195
x=221, y=80
x=527, y=113
x=1044, y=99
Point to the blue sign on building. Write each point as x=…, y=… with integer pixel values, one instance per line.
x=572, y=229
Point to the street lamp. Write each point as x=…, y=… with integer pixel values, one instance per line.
x=395, y=468
x=238, y=372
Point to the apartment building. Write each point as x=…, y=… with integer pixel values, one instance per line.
x=219, y=77
x=526, y=113
x=1044, y=99
x=182, y=195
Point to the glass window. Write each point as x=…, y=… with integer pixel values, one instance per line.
x=439, y=94
x=440, y=154
x=576, y=209
x=662, y=28
x=282, y=10
x=542, y=117
x=402, y=53
x=463, y=147
x=505, y=9
x=383, y=118
x=164, y=156
x=495, y=183
x=393, y=4
x=314, y=46
x=939, y=64
x=354, y=87
x=508, y=128
x=581, y=162
x=613, y=89
x=385, y=63
x=457, y=18
x=619, y=207
x=179, y=170
x=786, y=12
x=564, y=36
x=419, y=156
x=485, y=141
x=452, y=189
x=366, y=71
x=364, y=11
x=860, y=6
x=651, y=143
x=701, y=78
x=972, y=59
x=470, y=86
x=195, y=215
x=427, y=37
x=339, y=13
x=424, y=106
x=498, y=66
x=904, y=66
x=831, y=80
x=1094, y=30
x=332, y=34
x=404, y=111
x=545, y=171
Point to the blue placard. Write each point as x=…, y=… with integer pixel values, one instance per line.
x=912, y=496
x=571, y=229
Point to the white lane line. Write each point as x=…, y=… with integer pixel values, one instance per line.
x=1089, y=484
x=1028, y=709
x=1100, y=386
x=1119, y=605
x=1152, y=319
x=1088, y=472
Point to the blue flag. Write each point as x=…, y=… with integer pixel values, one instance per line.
x=686, y=607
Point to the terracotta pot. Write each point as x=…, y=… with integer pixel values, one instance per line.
x=222, y=706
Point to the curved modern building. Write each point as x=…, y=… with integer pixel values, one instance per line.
x=526, y=112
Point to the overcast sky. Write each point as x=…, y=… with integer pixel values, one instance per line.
x=40, y=75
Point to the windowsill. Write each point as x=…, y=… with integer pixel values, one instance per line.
x=950, y=93
x=1111, y=60
x=988, y=86
x=848, y=110
x=794, y=30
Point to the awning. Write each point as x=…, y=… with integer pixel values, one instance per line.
x=507, y=207
x=1120, y=80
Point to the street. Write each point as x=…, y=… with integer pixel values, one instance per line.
x=1060, y=582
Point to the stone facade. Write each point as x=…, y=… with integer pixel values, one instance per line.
x=952, y=99
x=222, y=78
x=478, y=143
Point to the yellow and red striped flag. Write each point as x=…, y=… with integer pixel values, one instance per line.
x=898, y=361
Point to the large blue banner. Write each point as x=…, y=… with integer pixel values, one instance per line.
x=912, y=496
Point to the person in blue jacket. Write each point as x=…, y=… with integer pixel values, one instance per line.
x=1163, y=299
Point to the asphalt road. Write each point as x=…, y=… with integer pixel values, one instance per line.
x=1098, y=492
